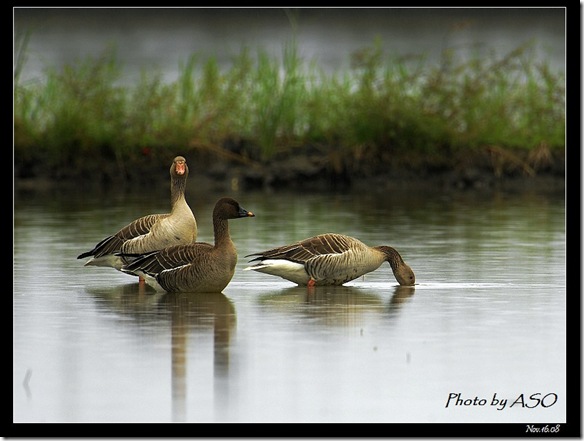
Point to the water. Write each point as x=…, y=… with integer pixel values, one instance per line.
x=486, y=319
x=156, y=40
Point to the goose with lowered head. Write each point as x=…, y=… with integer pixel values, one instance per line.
x=329, y=259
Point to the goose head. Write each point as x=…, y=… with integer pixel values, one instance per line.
x=402, y=271
x=179, y=167
x=404, y=275
x=228, y=208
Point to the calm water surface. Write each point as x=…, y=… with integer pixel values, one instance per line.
x=487, y=316
x=160, y=40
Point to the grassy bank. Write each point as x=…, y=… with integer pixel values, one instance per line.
x=383, y=112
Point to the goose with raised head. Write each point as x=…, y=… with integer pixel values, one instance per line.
x=197, y=267
x=151, y=232
x=329, y=259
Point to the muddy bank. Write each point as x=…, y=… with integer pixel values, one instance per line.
x=484, y=169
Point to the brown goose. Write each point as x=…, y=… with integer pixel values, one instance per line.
x=198, y=267
x=329, y=259
x=151, y=232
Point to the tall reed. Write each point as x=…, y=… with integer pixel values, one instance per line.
x=381, y=107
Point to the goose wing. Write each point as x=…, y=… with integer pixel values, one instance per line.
x=303, y=251
x=169, y=258
x=113, y=243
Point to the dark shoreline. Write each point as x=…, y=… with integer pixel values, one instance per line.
x=481, y=171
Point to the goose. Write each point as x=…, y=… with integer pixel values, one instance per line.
x=329, y=259
x=198, y=267
x=151, y=232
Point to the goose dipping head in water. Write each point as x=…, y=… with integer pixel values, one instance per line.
x=329, y=259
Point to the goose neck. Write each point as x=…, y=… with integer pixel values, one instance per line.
x=221, y=231
x=177, y=189
x=392, y=256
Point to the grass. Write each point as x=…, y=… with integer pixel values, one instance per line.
x=262, y=107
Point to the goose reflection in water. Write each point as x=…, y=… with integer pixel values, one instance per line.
x=337, y=305
x=189, y=315
x=401, y=296
x=200, y=311
x=134, y=299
